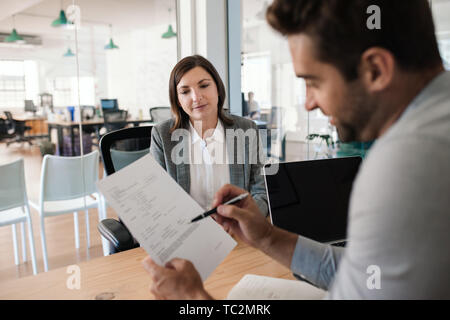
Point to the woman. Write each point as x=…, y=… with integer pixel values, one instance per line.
x=197, y=147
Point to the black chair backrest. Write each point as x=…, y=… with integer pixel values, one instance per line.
x=122, y=147
x=159, y=114
x=10, y=123
x=115, y=120
x=8, y=115
x=3, y=128
x=87, y=112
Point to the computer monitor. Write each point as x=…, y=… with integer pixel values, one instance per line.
x=311, y=198
x=29, y=106
x=109, y=105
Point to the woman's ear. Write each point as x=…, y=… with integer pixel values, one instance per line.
x=377, y=69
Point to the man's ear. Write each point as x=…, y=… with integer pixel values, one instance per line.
x=377, y=69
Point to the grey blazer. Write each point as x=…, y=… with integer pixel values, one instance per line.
x=245, y=169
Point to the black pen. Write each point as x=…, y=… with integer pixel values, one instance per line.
x=210, y=212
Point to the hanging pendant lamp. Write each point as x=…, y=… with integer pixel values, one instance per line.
x=111, y=44
x=69, y=53
x=61, y=21
x=14, y=36
x=169, y=33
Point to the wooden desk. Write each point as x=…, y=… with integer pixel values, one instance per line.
x=122, y=276
x=96, y=124
x=37, y=123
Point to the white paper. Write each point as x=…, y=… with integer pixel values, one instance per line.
x=254, y=287
x=157, y=212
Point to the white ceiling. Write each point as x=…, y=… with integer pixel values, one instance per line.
x=35, y=16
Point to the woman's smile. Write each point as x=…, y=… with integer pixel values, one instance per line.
x=200, y=107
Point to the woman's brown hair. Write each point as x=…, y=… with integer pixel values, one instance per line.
x=180, y=69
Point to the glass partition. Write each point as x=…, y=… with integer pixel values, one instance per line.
x=441, y=11
x=64, y=64
x=274, y=95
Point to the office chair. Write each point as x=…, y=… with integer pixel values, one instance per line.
x=115, y=120
x=87, y=112
x=5, y=130
x=64, y=190
x=30, y=107
x=16, y=130
x=14, y=207
x=159, y=114
x=119, y=149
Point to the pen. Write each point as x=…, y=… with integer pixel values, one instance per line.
x=210, y=212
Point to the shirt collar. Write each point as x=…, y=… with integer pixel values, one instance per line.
x=218, y=134
x=437, y=86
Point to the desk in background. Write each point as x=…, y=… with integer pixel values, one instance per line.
x=37, y=124
x=122, y=276
x=59, y=126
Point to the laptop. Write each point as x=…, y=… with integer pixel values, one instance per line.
x=311, y=198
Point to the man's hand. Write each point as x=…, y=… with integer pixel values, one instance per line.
x=178, y=280
x=242, y=219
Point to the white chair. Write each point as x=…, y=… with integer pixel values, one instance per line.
x=64, y=190
x=14, y=207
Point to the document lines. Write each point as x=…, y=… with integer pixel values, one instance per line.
x=157, y=211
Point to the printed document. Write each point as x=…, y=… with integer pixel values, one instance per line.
x=157, y=211
x=254, y=287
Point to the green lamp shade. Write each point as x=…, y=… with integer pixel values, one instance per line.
x=169, y=33
x=69, y=53
x=111, y=45
x=13, y=37
x=62, y=20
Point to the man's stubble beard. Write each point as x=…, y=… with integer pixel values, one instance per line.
x=355, y=115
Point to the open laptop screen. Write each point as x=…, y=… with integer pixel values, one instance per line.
x=311, y=198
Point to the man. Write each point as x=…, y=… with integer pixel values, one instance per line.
x=386, y=84
x=253, y=106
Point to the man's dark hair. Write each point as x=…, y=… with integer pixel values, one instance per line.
x=340, y=33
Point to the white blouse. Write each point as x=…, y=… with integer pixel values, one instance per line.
x=209, y=169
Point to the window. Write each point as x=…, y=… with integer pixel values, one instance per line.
x=12, y=84
x=441, y=11
x=267, y=71
x=65, y=93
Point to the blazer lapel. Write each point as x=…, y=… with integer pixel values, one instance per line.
x=236, y=170
x=183, y=170
x=184, y=176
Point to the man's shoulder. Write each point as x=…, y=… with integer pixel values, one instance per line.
x=404, y=170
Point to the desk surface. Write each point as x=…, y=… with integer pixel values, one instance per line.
x=121, y=276
x=94, y=122
x=26, y=117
